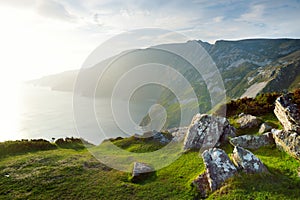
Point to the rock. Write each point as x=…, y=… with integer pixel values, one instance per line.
x=140, y=170
x=253, y=141
x=160, y=137
x=218, y=167
x=247, y=161
x=207, y=131
x=265, y=128
x=178, y=134
x=247, y=121
x=202, y=185
x=287, y=141
x=287, y=113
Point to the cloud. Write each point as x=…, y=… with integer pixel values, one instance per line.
x=255, y=14
x=53, y=9
x=218, y=19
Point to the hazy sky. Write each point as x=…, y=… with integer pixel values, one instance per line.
x=40, y=37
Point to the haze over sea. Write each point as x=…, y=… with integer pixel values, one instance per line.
x=40, y=112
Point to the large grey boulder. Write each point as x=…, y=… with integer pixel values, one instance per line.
x=219, y=168
x=264, y=127
x=140, y=169
x=287, y=141
x=253, y=141
x=247, y=121
x=207, y=131
x=287, y=113
x=247, y=161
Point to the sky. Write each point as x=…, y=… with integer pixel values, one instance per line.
x=41, y=37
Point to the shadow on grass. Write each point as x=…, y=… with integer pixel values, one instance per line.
x=143, y=179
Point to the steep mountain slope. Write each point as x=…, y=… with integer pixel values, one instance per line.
x=247, y=67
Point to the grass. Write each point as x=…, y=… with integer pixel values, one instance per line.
x=66, y=173
x=67, y=170
x=269, y=118
x=73, y=174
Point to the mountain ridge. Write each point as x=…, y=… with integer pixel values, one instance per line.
x=248, y=67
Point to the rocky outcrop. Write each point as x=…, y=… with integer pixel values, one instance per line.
x=264, y=127
x=247, y=161
x=207, y=131
x=218, y=167
x=287, y=141
x=253, y=141
x=140, y=170
x=247, y=121
x=287, y=113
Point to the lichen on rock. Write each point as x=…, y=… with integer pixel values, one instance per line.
x=207, y=131
x=247, y=161
x=253, y=141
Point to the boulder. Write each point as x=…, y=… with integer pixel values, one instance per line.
x=207, y=131
x=265, y=128
x=219, y=168
x=140, y=169
x=155, y=135
x=253, y=141
x=202, y=185
x=247, y=121
x=158, y=136
x=247, y=161
x=178, y=134
x=287, y=141
x=287, y=113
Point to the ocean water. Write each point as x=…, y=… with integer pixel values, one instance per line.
x=38, y=112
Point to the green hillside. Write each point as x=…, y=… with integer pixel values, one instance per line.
x=75, y=174
x=65, y=170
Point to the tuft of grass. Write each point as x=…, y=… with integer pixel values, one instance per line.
x=24, y=146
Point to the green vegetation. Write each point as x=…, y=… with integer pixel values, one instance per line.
x=73, y=174
x=9, y=148
x=24, y=146
x=65, y=169
x=76, y=174
x=260, y=105
x=139, y=145
x=282, y=182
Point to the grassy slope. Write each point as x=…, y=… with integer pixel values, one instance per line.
x=76, y=174
x=71, y=172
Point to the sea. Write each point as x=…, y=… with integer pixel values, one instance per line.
x=41, y=113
